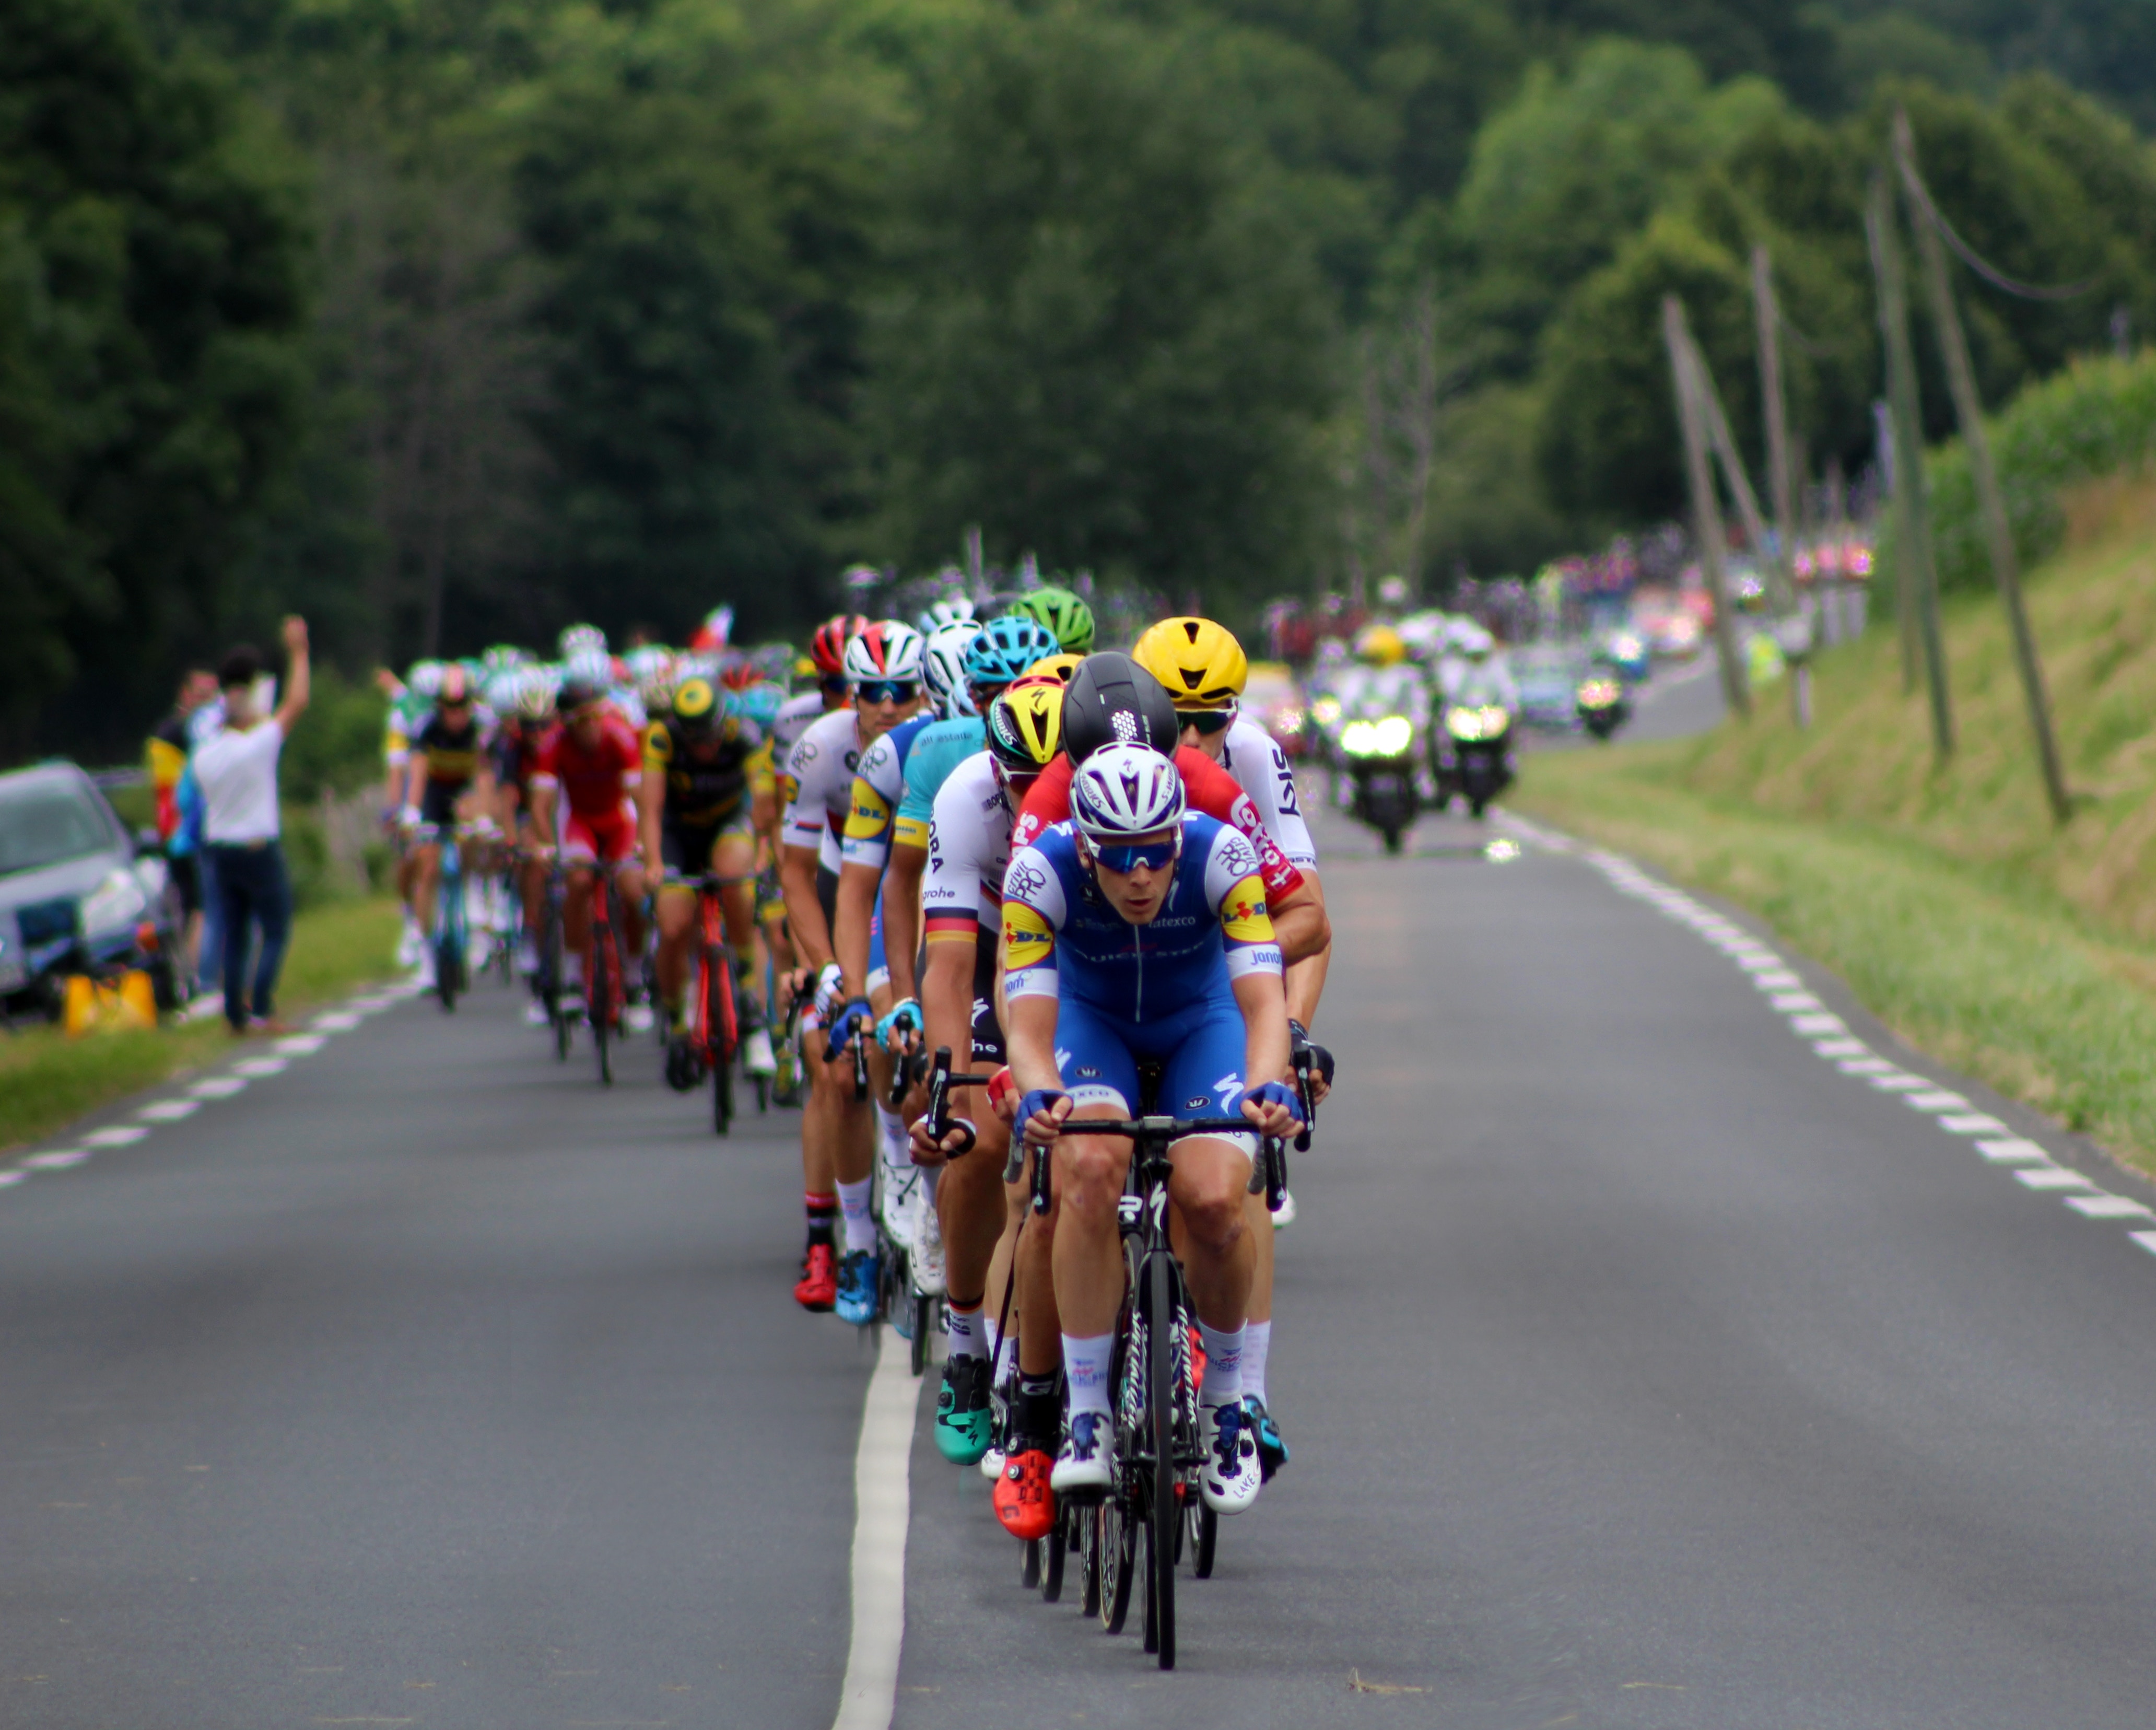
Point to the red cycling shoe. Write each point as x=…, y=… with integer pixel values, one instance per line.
x=1023, y=1502
x=818, y=1288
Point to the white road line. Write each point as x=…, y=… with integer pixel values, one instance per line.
x=1842, y=1048
x=2106, y=1206
x=1867, y=1065
x=1896, y=1081
x=218, y=1086
x=1785, y=1001
x=118, y=1135
x=1777, y=979
x=6, y=1179
x=260, y=1066
x=1819, y=1024
x=2014, y=1149
x=1971, y=1123
x=2052, y=1177
x=1935, y=1099
x=881, y=1490
x=2146, y=1239
x=58, y=1159
x=169, y=1110
x=336, y=1021
x=302, y=1045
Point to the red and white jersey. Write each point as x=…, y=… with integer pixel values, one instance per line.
x=593, y=781
x=1253, y=758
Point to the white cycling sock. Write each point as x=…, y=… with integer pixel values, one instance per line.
x=1086, y=1366
x=1223, y=1365
x=932, y=1176
x=573, y=972
x=968, y=1331
x=860, y=1224
x=1006, y=1352
x=897, y=1146
x=1257, y=1341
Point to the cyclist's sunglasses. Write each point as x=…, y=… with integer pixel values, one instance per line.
x=888, y=690
x=835, y=684
x=1208, y=721
x=1122, y=858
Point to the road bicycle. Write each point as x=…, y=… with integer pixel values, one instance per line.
x=451, y=939
x=1140, y=1528
x=715, y=1031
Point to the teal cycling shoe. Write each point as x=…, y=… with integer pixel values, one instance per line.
x=962, y=1411
x=859, y=1280
x=1272, y=1451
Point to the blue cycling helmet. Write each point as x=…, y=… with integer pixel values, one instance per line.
x=1006, y=647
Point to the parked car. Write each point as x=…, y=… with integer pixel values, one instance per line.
x=78, y=893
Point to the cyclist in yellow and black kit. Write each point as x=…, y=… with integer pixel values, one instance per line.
x=708, y=789
x=448, y=760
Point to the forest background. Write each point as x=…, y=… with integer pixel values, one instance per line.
x=448, y=321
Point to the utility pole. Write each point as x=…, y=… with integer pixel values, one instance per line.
x=1781, y=489
x=1968, y=410
x=1705, y=508
x=1916, y=581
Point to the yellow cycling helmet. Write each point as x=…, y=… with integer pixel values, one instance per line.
x=696, y=703
x=1382, y=646
x=1201, y=663
x=1058, y=667
x=1025, y=728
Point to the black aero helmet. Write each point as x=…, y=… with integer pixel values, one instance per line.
x=1112, y=700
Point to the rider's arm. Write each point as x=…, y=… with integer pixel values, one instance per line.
x=1031, y=1043
x=902, y=917
x=1299, y=921
x=415, y=780
x=804, y=913
x=298, y=682
x=545, y=790
x=1307, y=968
x=855, y=909
x=651, y=791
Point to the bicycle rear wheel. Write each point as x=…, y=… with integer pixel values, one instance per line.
x=1165, y=1515
x=718, y=1026
x=600, y=991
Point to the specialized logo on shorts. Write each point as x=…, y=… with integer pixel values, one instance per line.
x=1197, y=1104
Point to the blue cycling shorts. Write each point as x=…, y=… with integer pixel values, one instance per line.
x=1202, y=1049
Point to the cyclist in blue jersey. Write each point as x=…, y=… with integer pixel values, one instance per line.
x=1136, y=931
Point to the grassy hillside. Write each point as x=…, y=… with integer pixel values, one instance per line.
x=2024, y=954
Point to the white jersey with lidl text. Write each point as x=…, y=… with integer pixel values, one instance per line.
x=969, y=845
x=795, y=717
x=1260, y=768
x=818, y=786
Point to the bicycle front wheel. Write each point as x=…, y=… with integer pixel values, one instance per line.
x=1166, y=1522
x=718, y=1028
x=599, y=990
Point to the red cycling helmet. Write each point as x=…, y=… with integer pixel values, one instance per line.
x=828, y=647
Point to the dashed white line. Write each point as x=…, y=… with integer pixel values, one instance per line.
x=2052, y=1177
x=1786, y=1001
x=260, y=1067
x=58, y=1159
x=2107, y=1206
x=2011, y=1151
x=1972, y=1123
x=302, y=1045
x=115, y=1135
x=1935, y=1099
x=169, y=1110
x=218, y=1086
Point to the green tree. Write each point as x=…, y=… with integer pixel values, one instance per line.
x=1107, y=338
x=151, y=254
x=700, y=193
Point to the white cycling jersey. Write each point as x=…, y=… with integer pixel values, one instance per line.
x=795, y=717
x=969, y=845
x=819, y=786
x=1260, y=768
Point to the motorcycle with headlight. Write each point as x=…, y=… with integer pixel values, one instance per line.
x=1379, y=755
x=1475, y=753
x=1602, y=705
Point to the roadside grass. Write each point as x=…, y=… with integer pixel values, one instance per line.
x=46, y=1080
x=2019, y=952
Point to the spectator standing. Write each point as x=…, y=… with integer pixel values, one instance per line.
x=167, y=749
x=236, y=769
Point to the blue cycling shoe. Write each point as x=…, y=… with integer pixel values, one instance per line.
x=859, y=1280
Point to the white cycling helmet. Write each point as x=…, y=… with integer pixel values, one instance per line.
x=943, y=666
x=889, y=648
x=424, y=680
x=1121, y=792
x=590, y=666
x=535, y=694
x=577, y=639
x=951, y=609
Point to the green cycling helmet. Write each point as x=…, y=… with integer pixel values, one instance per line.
x=1063, y=612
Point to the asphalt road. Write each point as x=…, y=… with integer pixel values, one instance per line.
x=1642, y=1365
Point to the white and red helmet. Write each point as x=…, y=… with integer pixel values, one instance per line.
x=889, y=648
x=1121, y=792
